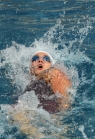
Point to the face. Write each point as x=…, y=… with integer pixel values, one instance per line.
x=40, y=63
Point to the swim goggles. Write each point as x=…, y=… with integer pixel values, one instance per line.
x=45, y=58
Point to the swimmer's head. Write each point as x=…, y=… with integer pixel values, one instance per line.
x=41, y=61
x=47, y=53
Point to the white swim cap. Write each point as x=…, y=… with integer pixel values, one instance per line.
x=52, y=60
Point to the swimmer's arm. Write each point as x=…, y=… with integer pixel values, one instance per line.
x=59, y=83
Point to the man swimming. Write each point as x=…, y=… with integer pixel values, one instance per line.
x=51, y=88
x=49, y=81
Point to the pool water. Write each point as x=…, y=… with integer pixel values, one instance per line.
x=67, y=29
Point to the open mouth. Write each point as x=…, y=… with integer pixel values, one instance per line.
x=40, y=66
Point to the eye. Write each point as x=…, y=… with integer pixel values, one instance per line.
x=34, y=58
x=47, y=58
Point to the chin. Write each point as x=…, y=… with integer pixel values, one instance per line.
x=37, y=73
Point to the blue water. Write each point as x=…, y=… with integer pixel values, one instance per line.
x=67, y=28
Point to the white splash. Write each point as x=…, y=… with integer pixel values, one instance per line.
x=81, y=128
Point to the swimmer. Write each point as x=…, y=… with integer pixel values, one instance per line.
x=48, y=82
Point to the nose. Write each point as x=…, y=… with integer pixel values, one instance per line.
x=40, y=59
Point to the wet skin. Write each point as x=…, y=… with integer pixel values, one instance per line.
x=40, y=65
x=58, y=80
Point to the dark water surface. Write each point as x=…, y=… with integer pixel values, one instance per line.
x=69, y=27
x=25, y=21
